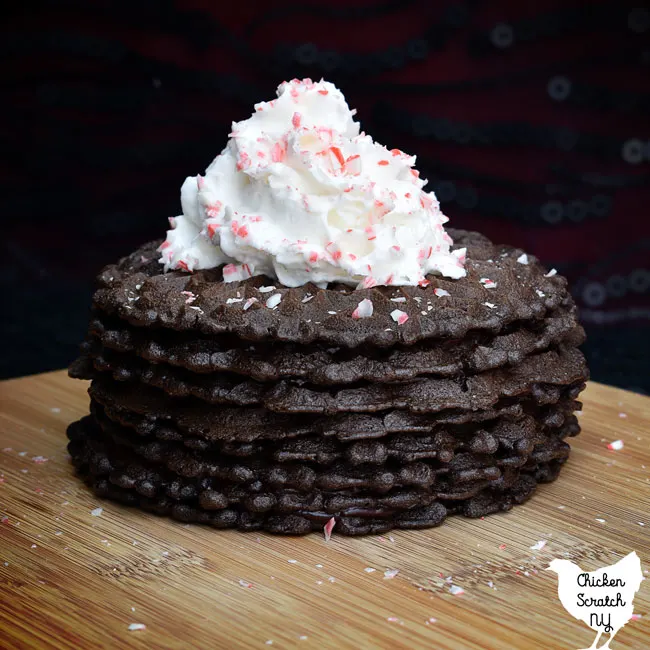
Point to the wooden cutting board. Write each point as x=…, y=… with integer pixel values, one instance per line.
x=69, y=579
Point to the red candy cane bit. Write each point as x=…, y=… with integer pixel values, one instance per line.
x=339, y=156
x=214, y=209
x=407, y=195
x=229, y=269
x=352, y=256
x=424, y=283
x=337, y=255
x=368, y=282
x=396, y=152
x=278, y=153
x=397, y=248
x=389, y=279
x=242, y=232
x=313, y=258
x=295, y=120
x=182, y=264
x=383, y=163
x=164, y=245
x=243, y=162
x=212, y=229
x=323, y=92
x=328, y=528
x=415, y=173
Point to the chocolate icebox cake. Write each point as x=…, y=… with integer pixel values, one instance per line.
x=309, y=347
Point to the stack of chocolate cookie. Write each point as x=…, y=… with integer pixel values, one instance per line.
x=252, y=405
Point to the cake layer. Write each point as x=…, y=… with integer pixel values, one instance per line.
x=497, y=290
x=503, y=443
x=542, y=375
x=149, y=411
x=261, y=503
x=321, y=364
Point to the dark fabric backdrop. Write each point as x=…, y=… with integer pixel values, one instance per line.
x=530, y=121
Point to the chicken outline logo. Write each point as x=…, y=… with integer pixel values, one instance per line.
x=602, y=599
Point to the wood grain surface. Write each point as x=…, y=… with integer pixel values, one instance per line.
x=71, y=579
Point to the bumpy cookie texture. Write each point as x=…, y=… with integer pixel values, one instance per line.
x=137, y=291
x=253, y=406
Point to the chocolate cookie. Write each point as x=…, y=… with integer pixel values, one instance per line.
x=139, y=292
x=322, y=364
x=284, y=508
x=256, y=406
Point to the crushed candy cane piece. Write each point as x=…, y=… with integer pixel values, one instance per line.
x=137, y=626
x=488, y=284
x=541, y=294
x=245, y=584
x=441, y=292
x=266, y=289
x=274, y=301
x=230, y=301
x=389, y=574
x=523, y=259
x=455, y=590
x=307, y=298
x=369, y=569
x=249, y=303
x=398, y=299
x=97, y=512
x=617, y=445
x=399, y=316
x=328, y=528
x=551, y=273
x=364, y=309
x=490, y=305
x=39, y=460
x=538, y=546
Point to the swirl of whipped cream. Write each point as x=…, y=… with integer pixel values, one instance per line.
x=298, y=194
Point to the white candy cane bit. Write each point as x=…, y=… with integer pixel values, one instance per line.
x=266, y=289
x=523, y=259
x=490, y=305
x=617, y=445
x=455, y=590
x=230, y=301
x=137, y=626
x=399, y=316
x=400, y=299
x=274, y=301
x=249, y=303
x=441, y=292
x=538, y=546
x=364, y=309
x=307, y=298
x=389, y=574
x=551, y=273
x=541, y=294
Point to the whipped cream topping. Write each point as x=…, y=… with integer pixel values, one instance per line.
x=300, y=195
